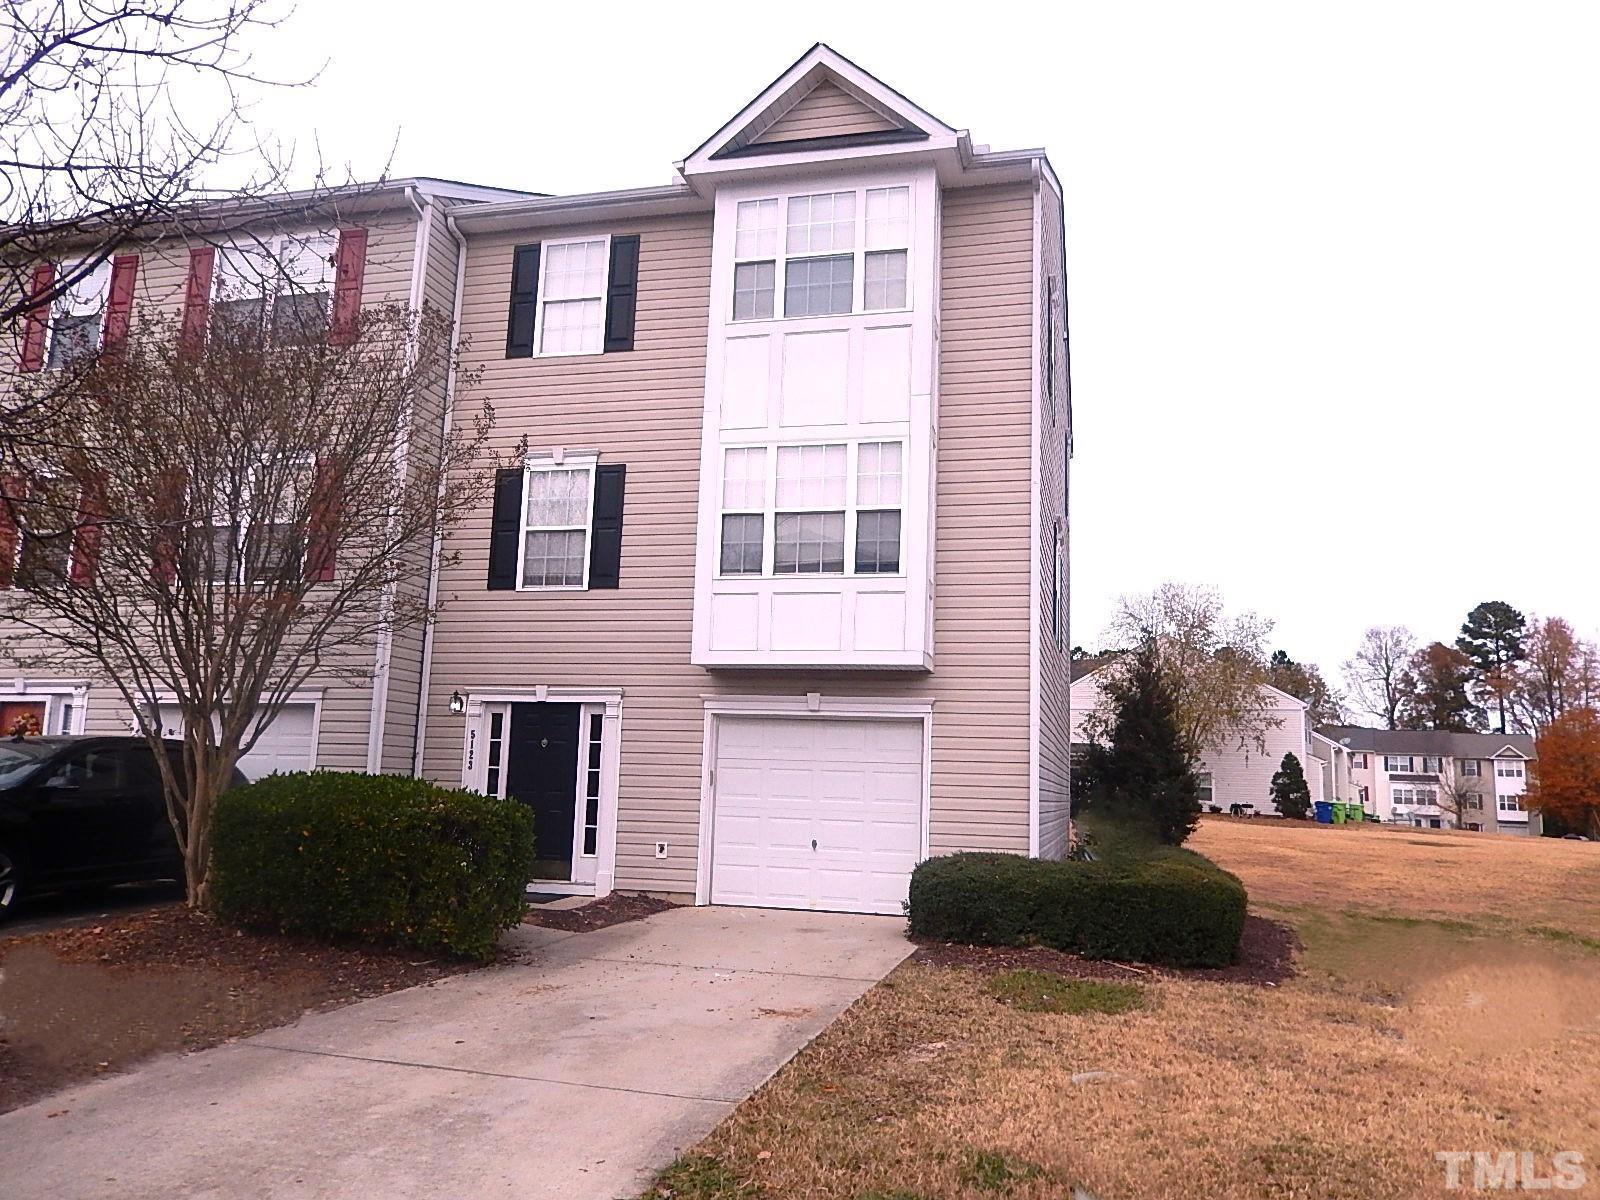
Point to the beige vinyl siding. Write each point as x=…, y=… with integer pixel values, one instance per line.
x=1055, y=734
x=346, y=695
x=644, y=409
x=825, y=111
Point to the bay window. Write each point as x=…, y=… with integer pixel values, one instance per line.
x=814, y=514
x=827, y=254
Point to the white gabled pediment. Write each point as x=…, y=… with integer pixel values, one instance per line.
x=824, y=101
x=1508, y=751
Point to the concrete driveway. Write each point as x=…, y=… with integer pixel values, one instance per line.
x=574, y=1074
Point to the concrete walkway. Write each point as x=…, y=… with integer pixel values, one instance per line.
x=574, y=1074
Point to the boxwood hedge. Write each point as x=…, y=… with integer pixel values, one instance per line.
x=381, y=858
x=1139, y=903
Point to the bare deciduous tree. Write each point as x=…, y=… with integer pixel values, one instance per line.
x=1461, y=797
x=1559, y=671
x=111, y=112
x=213, y=525
x=1217, y=664
x=1376, y=671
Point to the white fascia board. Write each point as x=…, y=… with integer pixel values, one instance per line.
x=564, y=210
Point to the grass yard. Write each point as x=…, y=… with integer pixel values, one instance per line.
x=1449, y=1000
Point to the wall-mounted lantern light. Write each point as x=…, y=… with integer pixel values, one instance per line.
x=458, y=703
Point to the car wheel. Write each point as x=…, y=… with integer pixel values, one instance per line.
x=10, y=882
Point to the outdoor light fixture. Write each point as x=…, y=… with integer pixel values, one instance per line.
x=458, y=703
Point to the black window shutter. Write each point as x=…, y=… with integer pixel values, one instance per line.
x=524, y=301
x=622, y=294
x=505, y=528
x=605, y=555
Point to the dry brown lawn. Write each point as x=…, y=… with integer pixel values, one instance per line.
x=1402, y=1037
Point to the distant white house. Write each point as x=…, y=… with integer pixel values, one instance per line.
x=1238, y=777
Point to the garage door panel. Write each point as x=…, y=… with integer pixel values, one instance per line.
x=855, y=786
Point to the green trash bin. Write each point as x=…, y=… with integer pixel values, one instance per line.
x=1338, y=814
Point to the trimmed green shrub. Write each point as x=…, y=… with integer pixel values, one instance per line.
x=382, y=858
x=1137, y=903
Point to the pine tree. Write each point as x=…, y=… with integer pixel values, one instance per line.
x=1291, y=794
x=1145, y=772
x=1492, y=638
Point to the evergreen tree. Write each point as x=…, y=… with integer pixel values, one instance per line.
x=1492, y=639
x=1434, y=691
x=1145, y=771
x=1291, y=794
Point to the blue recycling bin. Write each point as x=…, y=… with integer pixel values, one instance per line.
x=1324, y=812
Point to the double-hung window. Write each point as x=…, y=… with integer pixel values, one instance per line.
x=1508, y=769
x=77, y=319
x=744, y=508
x=831, y=509
x=1358, y=762
x=1393, y=763
x=1510, y=803
x=572, y=297
x=825, y=253
x=880, y=473
x=258, y=524
x=1431, y=764
x=281, y=287
x=557, y=508
x=51, y=510
x=1469, y=766
x=809, y=519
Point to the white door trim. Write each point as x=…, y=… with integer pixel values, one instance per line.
x=603, y=700
x=811, y=706
x=52, y=693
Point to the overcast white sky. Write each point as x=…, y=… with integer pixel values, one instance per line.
x=1334, y=269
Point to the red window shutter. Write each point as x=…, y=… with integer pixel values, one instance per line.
x=168, y=519
x=197, y=297
x=86, y=537
x=322, y=535
x=349, y=271
x=36, y=325
x=14, y=489
x=119, y=307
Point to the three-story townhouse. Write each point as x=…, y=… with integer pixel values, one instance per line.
x=1437, y=779
x=362, y=245
x=776, y=604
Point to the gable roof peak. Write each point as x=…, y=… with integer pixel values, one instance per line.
x=874, y=113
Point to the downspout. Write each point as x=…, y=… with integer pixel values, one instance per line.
x=419, y=737
x=378, y=720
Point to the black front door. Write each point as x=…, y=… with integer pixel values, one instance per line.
x=542, y=772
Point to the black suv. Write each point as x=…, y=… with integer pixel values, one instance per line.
x=82, y=811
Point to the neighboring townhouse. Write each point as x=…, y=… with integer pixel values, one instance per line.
x=1402, y=775
x=1235, y=777
x=387, y=243
x=776, y=605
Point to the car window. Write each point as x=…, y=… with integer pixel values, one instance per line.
x=106, y=769
x=17, y=759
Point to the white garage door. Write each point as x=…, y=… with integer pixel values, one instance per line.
x=286, y=745
x=819, y=813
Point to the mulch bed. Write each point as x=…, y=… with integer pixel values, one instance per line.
x=1266, y=957
x=609, y=910
x=90, y=1000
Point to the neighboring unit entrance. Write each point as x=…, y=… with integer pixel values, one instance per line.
x=542, y=772
x=816, y=812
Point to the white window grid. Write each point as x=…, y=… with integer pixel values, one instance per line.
x=572, y=465
x=1470, y=767
x=850, y=500
x=1393, y=763
x=574, y=274
x=781, y=230
x=1510, y=802
x=1509, y=770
